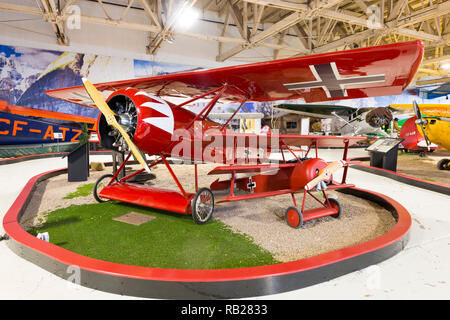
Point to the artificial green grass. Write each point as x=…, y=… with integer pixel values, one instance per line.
x=82, y=191
x=169, y=241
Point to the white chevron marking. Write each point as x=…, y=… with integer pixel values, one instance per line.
x=161, y=108
x=164, y=123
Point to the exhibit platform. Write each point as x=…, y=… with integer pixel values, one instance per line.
x=423, y=234
x=233, y=283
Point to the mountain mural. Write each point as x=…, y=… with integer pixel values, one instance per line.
x=67, y=71
x=64, y=76
x=12, y=81
x=26, y=73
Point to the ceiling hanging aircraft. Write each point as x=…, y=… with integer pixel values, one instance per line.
x=431, y=92
x=134, y=116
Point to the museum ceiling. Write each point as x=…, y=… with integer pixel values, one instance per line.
x=281, y=27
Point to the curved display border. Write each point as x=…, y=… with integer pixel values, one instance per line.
x=203, y=284
x=5, y=161
x=416, y=182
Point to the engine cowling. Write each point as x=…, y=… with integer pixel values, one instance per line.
x=379, y=117
x=147, y=119
x=305, y=171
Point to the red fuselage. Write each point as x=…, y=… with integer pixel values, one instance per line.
x=164, y=128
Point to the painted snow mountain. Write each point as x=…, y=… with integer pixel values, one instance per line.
x=14, y=79
x=66, y=71
x=26, y=73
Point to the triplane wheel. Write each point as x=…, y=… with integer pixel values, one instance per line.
x=444, y=164
x=99, y=185
x=203, y=206
x=293, y=217
x=335, y=205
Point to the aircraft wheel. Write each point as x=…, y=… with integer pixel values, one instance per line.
x=293, y=217
x=444, y=164
x=99, y=185
x=335, y=205
x=203, y=206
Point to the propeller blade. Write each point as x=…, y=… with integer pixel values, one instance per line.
x=425, y=137
x=420, y=122
x=111, y=120
x=417, y=110
x=325, y=174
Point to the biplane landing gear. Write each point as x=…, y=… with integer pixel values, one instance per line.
x=444, y=164
x=202, y=206
x=102, y=182
x=293, y=217
x=336, y=205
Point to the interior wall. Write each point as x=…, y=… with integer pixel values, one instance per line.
x=31, y=31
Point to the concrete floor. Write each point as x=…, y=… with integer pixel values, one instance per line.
x=421, y=271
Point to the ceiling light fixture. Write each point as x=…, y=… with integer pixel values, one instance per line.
x=187, y=18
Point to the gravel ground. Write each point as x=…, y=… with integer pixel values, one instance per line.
x=424, y=168
x=262, y=219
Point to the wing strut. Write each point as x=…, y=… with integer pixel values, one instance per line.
x=208, y=107
x=234, y=113
x=198, y=97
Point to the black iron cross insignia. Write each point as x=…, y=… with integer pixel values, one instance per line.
x=328, y=78
x=251, y=184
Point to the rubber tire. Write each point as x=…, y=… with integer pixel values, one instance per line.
x=194, y=201
x=95, y=193
x=300, y=217
x=337, y=215
x=444, y=164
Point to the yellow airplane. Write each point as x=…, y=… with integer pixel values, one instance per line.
x=433, y=125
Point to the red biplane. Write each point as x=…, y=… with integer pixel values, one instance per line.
x=135, y=117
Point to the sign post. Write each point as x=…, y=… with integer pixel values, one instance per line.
x=384, y=153
x=57, y=136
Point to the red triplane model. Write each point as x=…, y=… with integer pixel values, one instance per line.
x=135, y=117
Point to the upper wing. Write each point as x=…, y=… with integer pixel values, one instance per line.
x=431, y=110
x=358, y=73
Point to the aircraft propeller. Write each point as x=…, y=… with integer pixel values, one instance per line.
x=110, y=117
x=421, y=122
x=325, y=174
